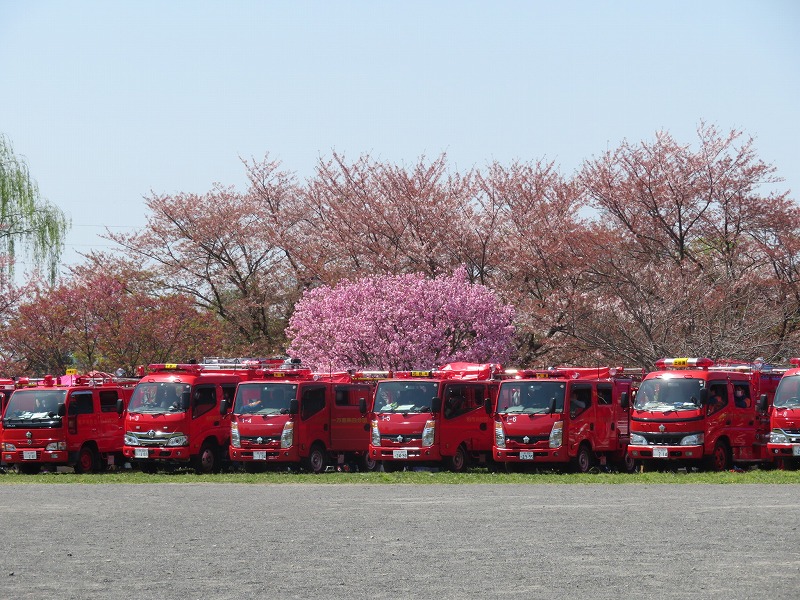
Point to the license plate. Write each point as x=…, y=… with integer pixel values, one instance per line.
x=141, y=453
x=660, y=452
x=526, y=455
x=401, y=454
x=260, y=455
x=796, y=450
x=29, y=455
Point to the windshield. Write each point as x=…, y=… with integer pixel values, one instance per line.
x=788, y=394
x=530, y=397
x=35, y=404
x=664, y=395
x=160, y=397
x=405, y=396
x=264, y=398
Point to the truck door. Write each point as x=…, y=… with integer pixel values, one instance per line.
x=111, y=425
x=349, y=428
x=314, y=417
x=205, y=416
x=718, y=414
x=465, y=419
x=605, y=424
x=743, y=422
x=580, y=413
x=82, y=419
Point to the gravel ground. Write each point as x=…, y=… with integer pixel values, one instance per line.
x=398, y=541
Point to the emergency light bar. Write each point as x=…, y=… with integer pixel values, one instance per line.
x=684, y=363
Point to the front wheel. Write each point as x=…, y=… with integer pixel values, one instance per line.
x=87, y=460
x=458, y=462
x=720, y=459
x=368, y=463
x=584, y=461
x=315, y=461
x=208, y=460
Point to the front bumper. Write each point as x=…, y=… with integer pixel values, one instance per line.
x=651, y=452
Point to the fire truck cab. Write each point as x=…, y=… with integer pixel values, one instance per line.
x=291, y=416
x=693, y=412
x=174, y=415
x=441, y=417
x=784, y=437
x=75, y=420
x=564, y=415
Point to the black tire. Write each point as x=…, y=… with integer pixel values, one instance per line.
x=29, y=468
x=207, y=460
x=367, y=463
x=391, y=466
x=148, y=467
x=720, y=459
x=316, y=460
x=87, y=460
x=584, y=461
x=627, y=464
x=459, y=462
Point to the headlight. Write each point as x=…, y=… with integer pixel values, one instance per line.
x=178, y=440
x=287, y=435
x=57, y=446
x=777, y=436
x=131, y=439
x=637, y=440
x=556, y=435
x=499, y=435
x=428, y=432
x=696, y=439
x=236, y=441
x=376, y=434
x=9, y=447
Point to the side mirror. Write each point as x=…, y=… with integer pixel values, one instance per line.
x=294, y=407
x=223, y=406
x=362, y=405
x=487, y=405
x=761, y=403
x=703, y=396
x=62, y=410
x=624, y=401
x=552, y=407
x=436, y=405
x=120, y=406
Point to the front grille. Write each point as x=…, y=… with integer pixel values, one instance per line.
x=664, y=439
x=519, y=440
x=265, y=440
x=394, y=439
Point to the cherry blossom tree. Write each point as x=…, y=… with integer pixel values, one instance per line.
x=400, y=322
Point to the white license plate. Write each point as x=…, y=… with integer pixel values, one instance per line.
x=796, y=450
x=526, y=455
x=400, y=454
x=259, y=455
x=660, y=452
x=141, y=453
x=29, y=455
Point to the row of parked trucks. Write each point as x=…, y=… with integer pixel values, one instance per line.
x=259, y=413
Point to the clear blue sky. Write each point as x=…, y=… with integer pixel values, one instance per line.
x=110, y=100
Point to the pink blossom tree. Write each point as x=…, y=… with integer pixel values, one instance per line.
x=400, y=322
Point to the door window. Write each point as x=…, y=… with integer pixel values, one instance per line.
x=81, y=404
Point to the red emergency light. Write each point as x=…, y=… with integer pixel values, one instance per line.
x=795, y=362
x=684, y=363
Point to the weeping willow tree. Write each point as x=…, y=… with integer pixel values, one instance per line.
x=27, y=221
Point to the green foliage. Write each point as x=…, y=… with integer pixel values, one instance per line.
x=25, y=217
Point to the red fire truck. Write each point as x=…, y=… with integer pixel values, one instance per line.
x=784, y=437
x=441, y=417
x=565, y=415
x=75, y=420
x=174, y=419
x=290, y=416
x=691, y=412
